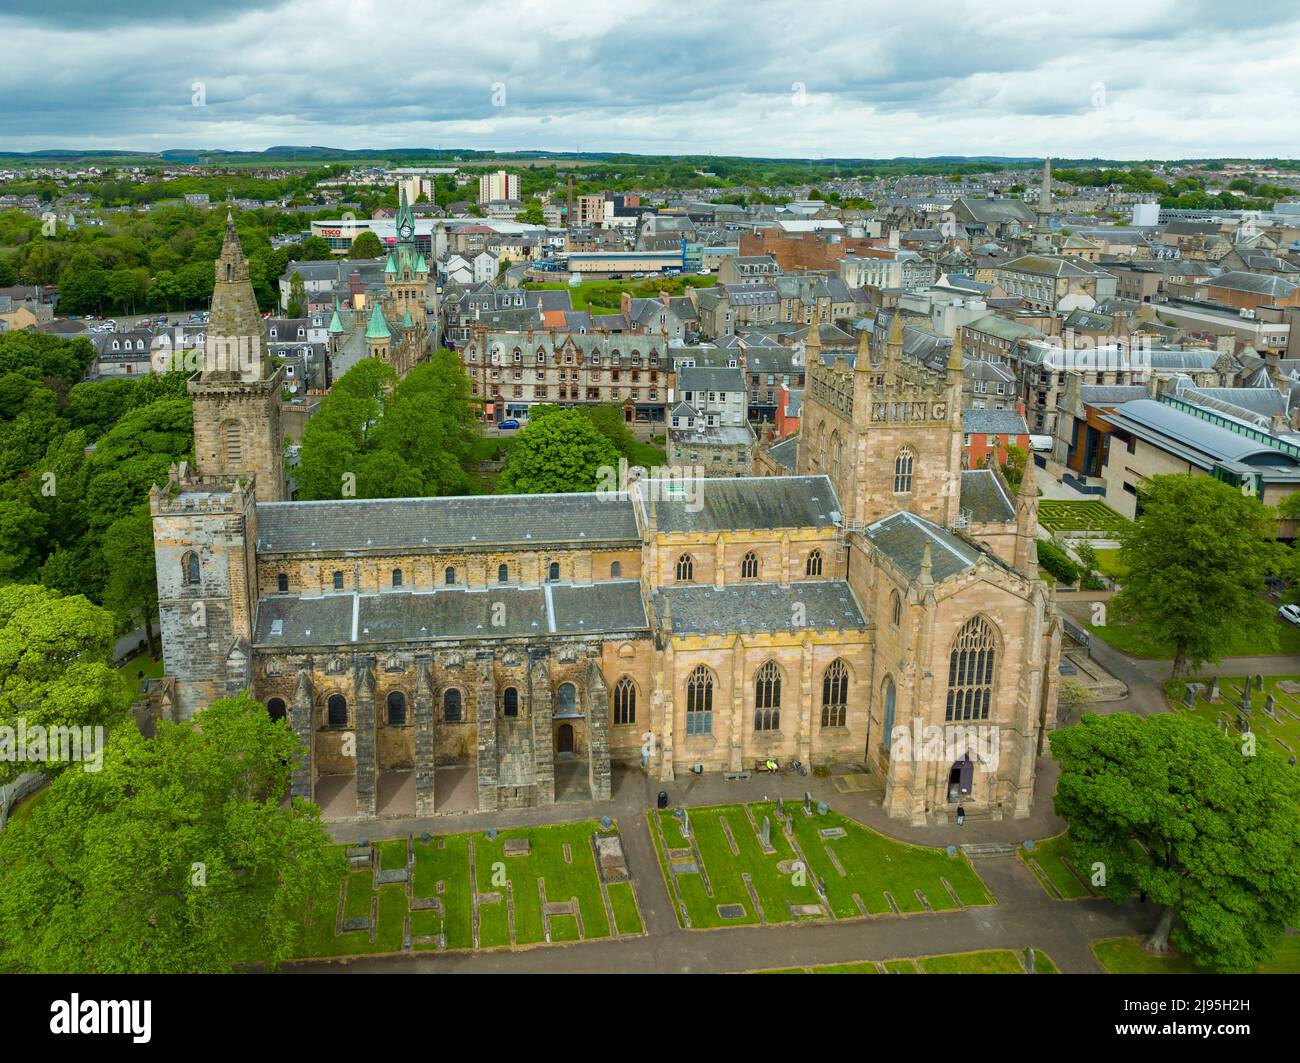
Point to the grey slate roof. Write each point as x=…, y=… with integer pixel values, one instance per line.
x=993, y=422
x=786, y=452
x=984, y=499
x=451, y=613
x=758, y=502
x=828, y=605
x=707, y=378
x=903, y=537
x=460, y=523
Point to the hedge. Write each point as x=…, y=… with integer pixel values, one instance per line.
x=1057, y=562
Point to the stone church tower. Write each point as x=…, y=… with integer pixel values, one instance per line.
x=236, y=393
x=888, y=433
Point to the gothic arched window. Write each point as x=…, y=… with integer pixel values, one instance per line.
x=337, y=710
x=396, y=708
x=338, y=580
x=553, y=572
x=615, y=570
x=190, y=567
x=685, y=569
x=397, y=577
x=503, y=574
x=835, y=456
x=566, y=698
x=275, y=708
x=449, y=577
x=767, y=698
x=813, y=567
x=282, y=582
x=835, y=694
x=895, y=608
x=625, y=701
x=903, y=471
x=749, y=566
x=699, y=702
x=970, y=671
x=510, y=702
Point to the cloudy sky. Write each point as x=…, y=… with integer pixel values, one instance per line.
x=1110, y=78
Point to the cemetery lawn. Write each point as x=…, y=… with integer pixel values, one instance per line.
x=860, y=865
x=987, y=961
x=1281, y=733
x=441, y=869
x=1126, y=956
x=1065, y=515
x=1050, y=856
x=1110, y=565
x=1127, y=638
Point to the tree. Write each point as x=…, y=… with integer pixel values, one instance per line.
x=561, y=453
x=297, y=295
x=1197, y=560
x=366, y=245
x=1196, y=819
x=182, y=854
x=55, y=671
x=532, y=214
x=315, y=249
x=132, y=587
x=1073, y=696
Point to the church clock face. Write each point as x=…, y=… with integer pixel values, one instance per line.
x=406, y=230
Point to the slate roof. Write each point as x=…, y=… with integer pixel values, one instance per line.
x=457, y=523
x=903, y=537
x=984, y=499
x=994, y=422
x=757, y=502
x=786, y=452
x=450, y=613
x=829, y=605
x=707, y=378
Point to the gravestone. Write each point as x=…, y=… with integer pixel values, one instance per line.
x=1245, y=696
x=780, y=808
x=832, y=832
x=807, y=803
x=1213, y=696
x=1268, y=704
x=394, y=874
x=1032, y=960
x=517, y=847
x=1243, y=725
x=1189, y=695
x=686, y=824
x=766, y=836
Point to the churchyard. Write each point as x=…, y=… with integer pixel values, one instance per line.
x=1049, y=862
x=530, y=886
x=783, y=862
x=986, y=961
x=1270, y=710
x=1127, y=956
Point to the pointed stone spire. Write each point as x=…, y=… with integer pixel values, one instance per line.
x=894, y=348
x=814, y=340
x=235, y=336
x=956, y=362
x=862, y=363
x=1026, y=559
x=378, y=327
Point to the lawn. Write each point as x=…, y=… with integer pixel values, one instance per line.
x=858, y=868
x=139, y=668
x=1109, y=563
x=986, y=961
x=1061, y=515
x=1280, y=733
x=1126, y=956
x=441, y=871
x=1127, y=638
x=1052, y=867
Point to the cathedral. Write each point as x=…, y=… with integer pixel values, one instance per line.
x=877, y=608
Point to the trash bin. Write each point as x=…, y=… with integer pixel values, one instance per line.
x=663, y=798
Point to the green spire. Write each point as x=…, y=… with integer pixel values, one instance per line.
x=378, y=327
x=406, y=320
x=336, y=325
x=390, y=266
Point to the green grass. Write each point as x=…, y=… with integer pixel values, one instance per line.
x=1130, y=639
x=647, y=455
x=1050, y=856
x=1126, y=956
x=135, y=670
x=623, y=901
x=847, y=968
x=1281, y=736
x=873, y=864
x=900, y=967
x=447, y=860
x=583, y=293
x=1110, y=565
x=993, y=961
x=1063, y=515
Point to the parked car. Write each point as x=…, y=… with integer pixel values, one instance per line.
x=509, y=423
x=1290, y=613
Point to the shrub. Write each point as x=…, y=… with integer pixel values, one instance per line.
x=1057, y=562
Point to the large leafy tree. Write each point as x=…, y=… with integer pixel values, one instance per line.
x=1202, y=822
x=182, y=854
x=55, y=653
x=1197, y=560
x=131, y=589
x=561, y=453
x=366, y=245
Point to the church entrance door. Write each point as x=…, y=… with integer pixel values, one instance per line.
x=564, y=738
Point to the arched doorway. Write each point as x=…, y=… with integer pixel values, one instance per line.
x=275, y=708
x=961, y=778
x=564, y=739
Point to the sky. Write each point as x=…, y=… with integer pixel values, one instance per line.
x=794, y=79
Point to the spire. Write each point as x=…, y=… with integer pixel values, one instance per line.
x=390, y=266
x=956, y=363
x=862, y=363
x=235, y=336
x=814, y=339
x=926, y=578
x=894, y=347
x=1026, y=558
x=1045, y=197
x=378, y=327
x=406, y=320
x=336, y=324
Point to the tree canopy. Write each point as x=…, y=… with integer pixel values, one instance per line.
x=1197, y=560
x=560, y=453
x=1201, y=821
x=181, y=855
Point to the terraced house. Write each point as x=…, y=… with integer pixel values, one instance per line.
x=526, y=646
